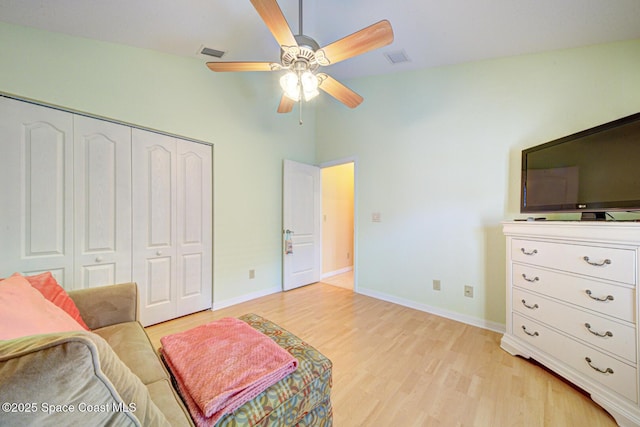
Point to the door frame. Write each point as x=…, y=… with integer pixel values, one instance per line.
x=338, y=162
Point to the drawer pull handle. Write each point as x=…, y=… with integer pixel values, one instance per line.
x=595, y=368
x=524, y=251
x=598, y=334
x=535, y=279
x=530, y=307
x=597, y=264
x=607, y=298
x=531, y=334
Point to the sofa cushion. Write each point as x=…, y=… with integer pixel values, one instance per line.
x=25, y=311
x=78, y=377
x=48, y=286
x=130, y=342
x=166, y=398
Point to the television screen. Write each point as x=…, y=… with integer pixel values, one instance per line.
x=595, y=170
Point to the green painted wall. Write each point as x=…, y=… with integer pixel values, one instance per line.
x=438, y=155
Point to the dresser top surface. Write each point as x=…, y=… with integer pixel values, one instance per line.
x=620, y=232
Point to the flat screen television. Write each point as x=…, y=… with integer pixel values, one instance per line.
x=593, y=171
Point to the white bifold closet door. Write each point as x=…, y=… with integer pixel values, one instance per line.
x=66, y=193
x=102, y=201
x=98, y=203
x=172, y=232
x=36, y=216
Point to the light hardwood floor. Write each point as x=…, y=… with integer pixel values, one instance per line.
x=395, y=366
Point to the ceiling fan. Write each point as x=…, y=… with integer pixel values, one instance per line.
x=301, y=56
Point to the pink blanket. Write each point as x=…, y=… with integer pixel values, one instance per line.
x=222, y=365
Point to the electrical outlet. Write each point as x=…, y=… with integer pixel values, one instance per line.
x=252, y=274
x=468, y=291
x=436, y=285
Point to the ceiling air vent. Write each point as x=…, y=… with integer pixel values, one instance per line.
x=211, y=52
x=397, y=57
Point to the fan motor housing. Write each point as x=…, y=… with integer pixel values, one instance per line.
x=303, y=53
x=306, y=41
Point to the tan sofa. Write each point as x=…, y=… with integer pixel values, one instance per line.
x=110, y=376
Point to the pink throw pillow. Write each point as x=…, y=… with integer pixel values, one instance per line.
x=25, y=311
x=51, y=290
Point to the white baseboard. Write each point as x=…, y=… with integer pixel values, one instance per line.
x=244, y=298
x=469, y=320
x=336, y=272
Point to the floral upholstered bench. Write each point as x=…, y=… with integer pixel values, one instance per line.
x=302, y=398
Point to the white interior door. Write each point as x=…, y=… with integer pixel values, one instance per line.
x=36, y=219
x=102, y=199
x=301, y=225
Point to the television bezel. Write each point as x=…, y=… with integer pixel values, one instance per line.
x=593, y=207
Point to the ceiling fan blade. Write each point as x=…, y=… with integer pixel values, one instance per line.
x=243, y=66
x=272, y=16
x=370, y=38
x=339, y=91
x=286, y=104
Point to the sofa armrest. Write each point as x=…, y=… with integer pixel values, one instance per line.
x=71, y=378
x=107, y=305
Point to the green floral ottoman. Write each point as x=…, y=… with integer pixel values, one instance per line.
x=300, y=399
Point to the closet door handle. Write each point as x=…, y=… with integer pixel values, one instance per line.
x=158, y=253
x=99, y=259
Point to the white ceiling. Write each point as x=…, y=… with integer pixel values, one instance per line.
x=431, y=32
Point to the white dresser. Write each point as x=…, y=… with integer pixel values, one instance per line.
x=572, y=306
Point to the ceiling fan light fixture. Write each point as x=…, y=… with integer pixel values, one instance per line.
x=294, y=84
x=290, y=85
x=309, y=83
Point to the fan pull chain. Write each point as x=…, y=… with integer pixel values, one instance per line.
x=300, y=112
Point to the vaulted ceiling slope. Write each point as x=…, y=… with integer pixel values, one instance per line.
x=429, y=33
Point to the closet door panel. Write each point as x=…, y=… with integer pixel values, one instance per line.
x=194, y=248
x=102, y=202
x=159, y=275
x=43, y=181
x=37, y=216
x=154, y=219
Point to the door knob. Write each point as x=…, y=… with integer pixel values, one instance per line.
x=99, y=259
x=158, y=253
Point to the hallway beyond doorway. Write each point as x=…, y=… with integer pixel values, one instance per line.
x=342, y=280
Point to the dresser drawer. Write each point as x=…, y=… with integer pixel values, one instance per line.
x=617, y=376
x=614, y=264
x=608, y=335
x=612, y=300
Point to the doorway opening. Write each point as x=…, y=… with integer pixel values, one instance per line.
x=338, y=223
